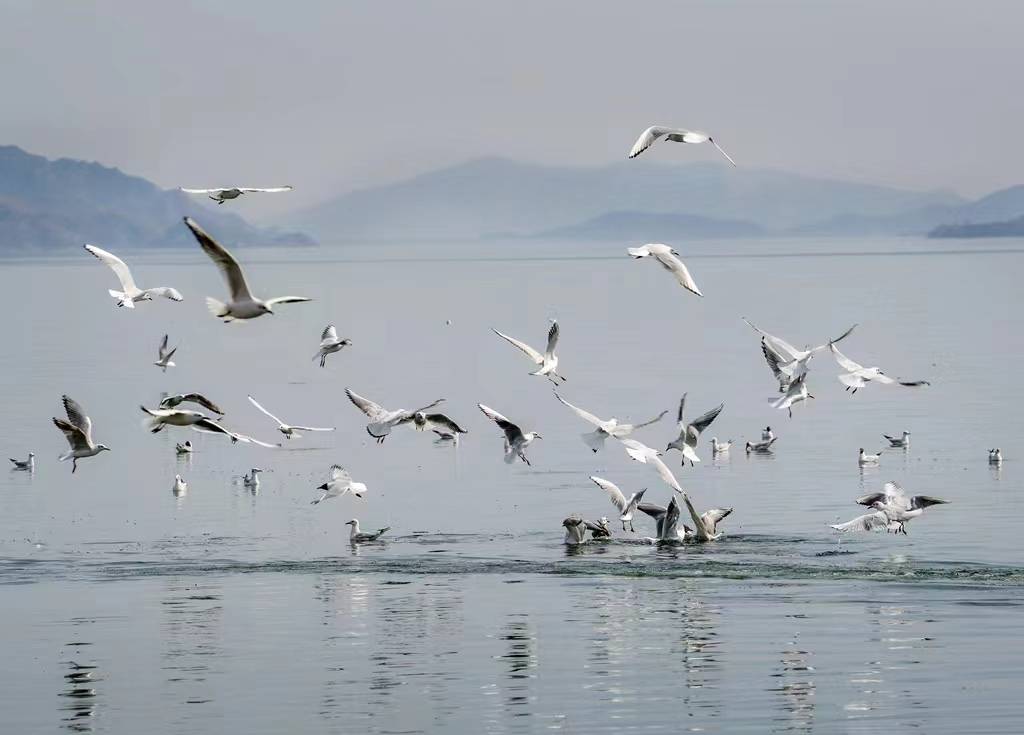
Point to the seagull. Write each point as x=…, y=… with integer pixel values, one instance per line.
x=196, y=398
x=180, y=486
x=165, y=355
x=329, y=343
x=25, y=465
x=251, y=481
x=666, y=520
x=785, y=360
x=183, y=447
x=222, y=195
x=438, y=423
x=242, y=304
x=626, y=506
x=382, y=421
x=863, y=459
x=576, y=530
x=611, y=427
x=718, y=447
x=516, y=441
x=669, y=260
x=548, y=361
x=676, y=135
x=762, y=447
x=899, y=441
x=339, y=484
x=78, y=431
x=162, y=417
x=705, y=525
x=767, y=434
x=358, y=537
x=290, y=432
x=857, y=376
x=130, y=294
x=893, y=508
x=796, y=392
x=689, y=434
x=995, y=456
x=646, y=455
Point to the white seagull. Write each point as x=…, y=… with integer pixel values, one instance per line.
x=899, y=441
x=689, y=433
x=221, y=195
x=516, y=441
x=382, y=421
x=796, y=392
x=676, y=135
x=444, y=427
x=857, y=376
x=251, y=481
x=358, y=537
x=339, y=484
x=196, y=398
x=605, y=429
x=576, y=530
x=548, y=361
x=165, y=355
x=130, y=293
x=242, y=304
x=762, y=447
x=626, y=506
x=289, y=431
x=669, y=260
x=646, y=455
x=786, y=361
x=893, y=508
x=25, y=465
x=78, y=431
x=183, y=447
x=718, y=447
x=864, y=458
x=159, y=418
x=329, y=344
x=767, y=434
x=180, y=487
x=666, y=520
x=705, y=525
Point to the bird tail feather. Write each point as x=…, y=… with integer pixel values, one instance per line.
x=122, y=298
x=217, y=308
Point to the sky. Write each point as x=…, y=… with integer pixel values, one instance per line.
x=332, y=96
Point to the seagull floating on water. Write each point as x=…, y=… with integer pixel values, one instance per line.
x=242, y=304
x=289, y=431
x=516, y=441
x=78, y=431
x=857, y=376
x=196, y=398
x=340, y=484
x=358, y=537
x=548, y=361
x=646, y=455
x=995, y=456
x=669, y=260
x=893, y=508
x=130, y=294
x=611, y=427
x=689, y=433
x=382, y=421
x=251, y=481
x=705, y=525
x=666, y=520
x=165, y=355
x=329, y=344
x=718, y=447
x=626, y=506
x=180, y=487
x=221, y=195
x=576, y=530
x=767, y=434
x=786, y=361
x=183, y=447
x=762, y=447
x=676, y=135
x=864, y=458
x=899, y=441
x=25, y=465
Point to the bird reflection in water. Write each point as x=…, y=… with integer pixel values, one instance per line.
x=796, y=688
x=80, y=708
x=191, y=634
x=521, y=658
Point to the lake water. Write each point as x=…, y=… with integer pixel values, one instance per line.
x=127, y=610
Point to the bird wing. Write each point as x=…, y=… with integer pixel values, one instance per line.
x=77, y=417
x=679, y=413
x=666, y=473
x=374, y=411
x=340, y=474
x=439, y=420
x=72, y=433
x=640, y=252
x=208, y=426
x=649, y=136
x=844, y=362
x=923, y=501
x=201, y=401
x=784, y=349
x=266, y=190
x=637, y=450
x=251, y=440
x=329, y=336
x=165, y=292
x=722, y=151
x=530, y=352
x=263, y=410
x=421, y=409
x=225, y=261
x=614, y=494
x=117, y=265
x=714, y=516
x=679, y=270
x=162, y=349
x=885, y=379
x=312, y=428
x=774, y=360
x=512, y=432
x=840, y=338
x=585, y=415
x=702, y=422
x=201, y=191
x=655, y=420
x=703, y=533
x=287, y=300
x=866, y=522
x=552, y=340
x=651, y=509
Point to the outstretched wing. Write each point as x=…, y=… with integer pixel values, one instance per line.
x=840, y=338
x=844, y=362
x=649, y=136
x=286, y=300
x=202, y=401
x=512, y=432
x=329, y=336
x=680, y=271
x=666, y=473
x=263, y=410
x=201, y=191
x=585, y=415
x=614, y=494
x=162, y=349
x=702, y=422
x=374, y=411
x=77, y=417
x=225, y=261
x=265, y=190
x=72, y=433
x=115, y=264
x=165, y=292
x=783, y=348
x=866, y=522
x=530, y=352
x=552, y=339
x=340, y=474
x=440, y=421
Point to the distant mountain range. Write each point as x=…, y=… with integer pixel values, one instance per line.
x=48, y=205
x=1007, y=228
x=631, y=226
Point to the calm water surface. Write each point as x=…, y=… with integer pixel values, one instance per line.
x=126, y=609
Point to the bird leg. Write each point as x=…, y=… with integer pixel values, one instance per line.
x=523, y=457
x=74, y=464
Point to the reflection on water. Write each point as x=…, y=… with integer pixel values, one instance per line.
x=520, y=658
x=796, y=688
x=79, y=691
x=191, y=634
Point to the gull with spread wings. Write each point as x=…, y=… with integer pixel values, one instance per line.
x=892, y=509
x=289, y=431
x=382, y=421
x=676, y=135
x=689, y=433
x=164, y=355
x=625, y=506
x=78, y=431
x=222, y=194
x=857, y=376
x=329, y=344
x=605, y=429
x=548, y=361
x=668, y=258
x=786, y=361
x=200, y=400
x=130, y=294
x=516, y=441
x=159, y=418
x=340, y=484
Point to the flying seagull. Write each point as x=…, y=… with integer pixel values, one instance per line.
x=165, y=355
x=796, y=392
x=382, y=421
x=130, y=293
x=689, y=433
x=548, y=361
x=78, y=431
x=646, y=455
x=899, y=442
x=159, y=418
x=290, y=432
x=786, y=361
x=611, y=427
x=857, y=376
x=669, y=260
x=339, y=484
x=358, y=537
x=233, y=192
x=196, y=398
x=242, y=304
x=626, y=506
x=329, y=343
x=516, y=441
x=438, y=423
x=676, y=135
x=25, y=465
x=893, y=508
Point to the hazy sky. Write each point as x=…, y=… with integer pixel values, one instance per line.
x=331, y=95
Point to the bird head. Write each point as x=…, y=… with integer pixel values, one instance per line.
x=674, y=252
x=351, y=523
x=265, y=309
x=346, y=342
x=536, y=435
x=906, y=433
x=31, y=454
x=862, y=450
x=102, y=447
